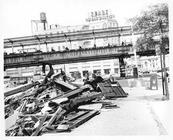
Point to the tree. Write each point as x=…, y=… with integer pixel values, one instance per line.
x=152, y=22
x=144, y=43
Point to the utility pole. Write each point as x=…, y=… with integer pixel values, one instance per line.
x=135, y=55
x=163, y=66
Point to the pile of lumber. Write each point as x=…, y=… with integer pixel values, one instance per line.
x=54, y=106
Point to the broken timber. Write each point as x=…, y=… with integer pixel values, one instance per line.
x=109, y=91
x=57, y=115
x=65, y=85
x=18, y=89
x=70, y=94
x=73, y=121
x=23, y=106
x=40, y=126
x=82, y=119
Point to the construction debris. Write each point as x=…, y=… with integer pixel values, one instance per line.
x=19, y=89
x=112, y=91
x=54, y=105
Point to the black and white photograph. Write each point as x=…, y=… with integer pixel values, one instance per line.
x=86, y=68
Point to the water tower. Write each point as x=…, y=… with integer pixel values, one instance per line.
x=43, y=19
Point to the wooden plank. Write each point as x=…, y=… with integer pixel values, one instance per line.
x=81, y=113
x=56, y=115
x=72, y=93
x=18, y=89
x=121, y=89
x=34, y=115
x=69, y=94
x=67, y=85
x=112, y=91
x=40, y=126
x=83, y=119
x=23, y=106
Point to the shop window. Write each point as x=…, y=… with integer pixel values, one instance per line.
x=107, y=71
x=116, y=70
x=85, y=73
x=75, y=74
x=98, y=72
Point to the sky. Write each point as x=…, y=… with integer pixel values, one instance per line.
x=16, y=15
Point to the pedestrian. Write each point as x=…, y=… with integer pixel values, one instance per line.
x=64, y=77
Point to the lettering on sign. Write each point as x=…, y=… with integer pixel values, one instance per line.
x=99, y=15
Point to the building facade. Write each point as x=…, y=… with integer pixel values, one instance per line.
x=96, y=20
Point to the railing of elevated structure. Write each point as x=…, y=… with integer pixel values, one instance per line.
x=67, y=55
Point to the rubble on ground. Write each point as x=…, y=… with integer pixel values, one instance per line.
x=54, y=105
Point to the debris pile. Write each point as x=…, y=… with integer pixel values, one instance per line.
x=54, y=105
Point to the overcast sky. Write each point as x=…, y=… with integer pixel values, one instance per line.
x=17, y=14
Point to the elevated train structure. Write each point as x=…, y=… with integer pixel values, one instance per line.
x=70, y=56
x=73, y=36
x=65, y=57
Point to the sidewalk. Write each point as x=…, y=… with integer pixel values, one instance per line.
x=158, y=108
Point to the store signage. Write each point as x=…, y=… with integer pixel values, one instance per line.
x=99, y=15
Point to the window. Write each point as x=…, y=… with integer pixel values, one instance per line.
x=85, y=73
x=107, y=71
x=76, y=74
x=97, y=71
x=116, y=70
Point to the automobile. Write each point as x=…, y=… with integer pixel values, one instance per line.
x=146, y=72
